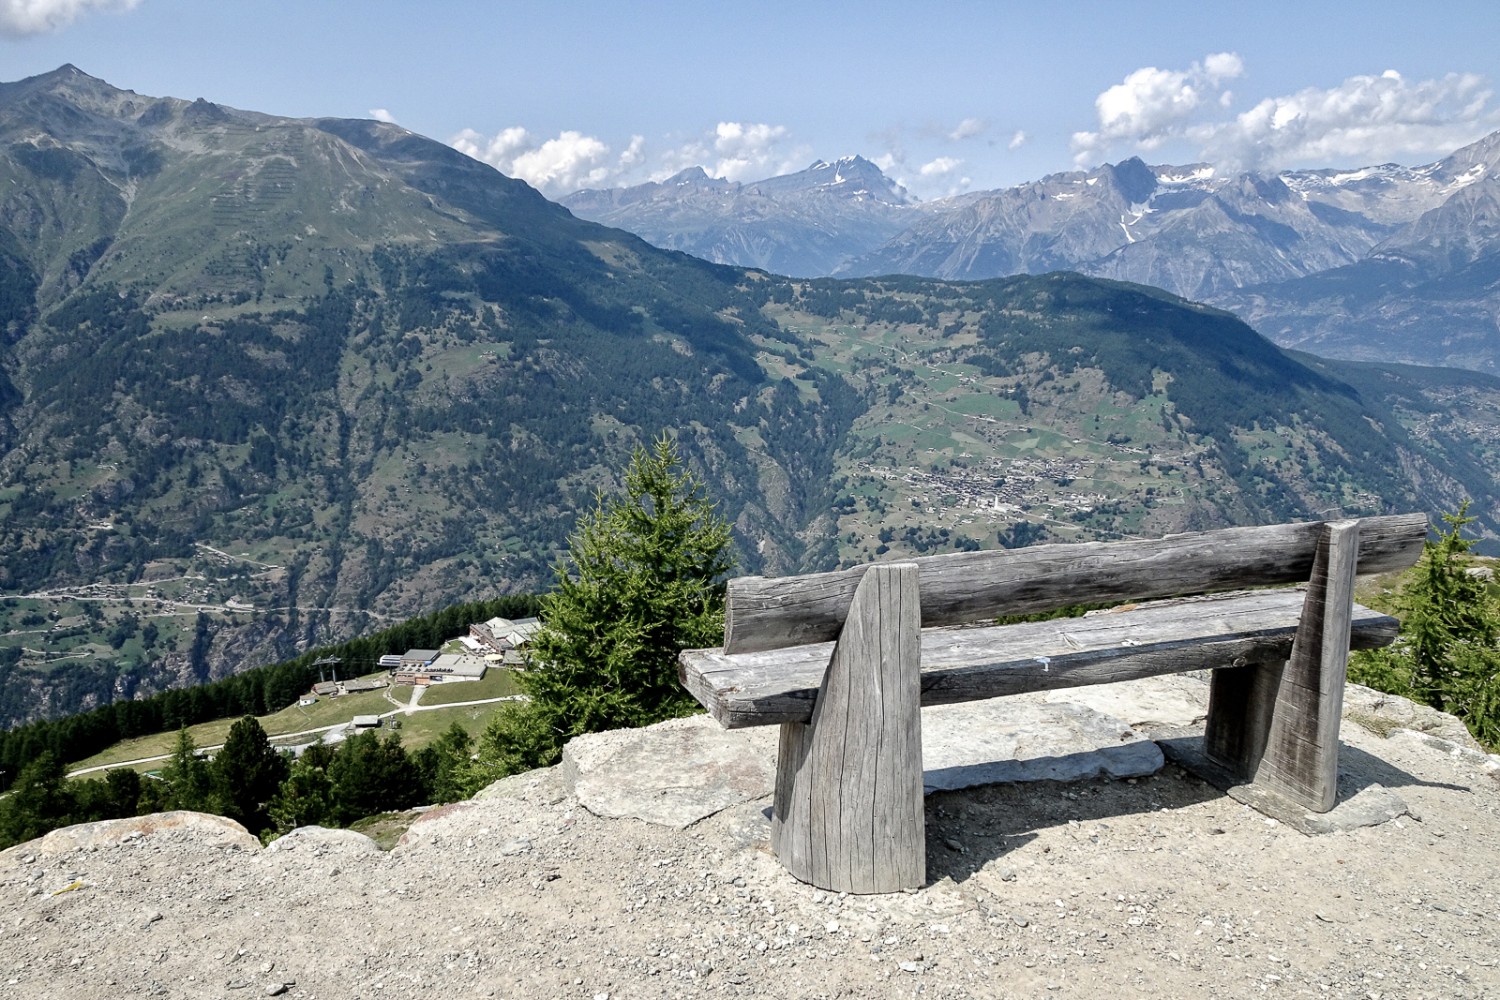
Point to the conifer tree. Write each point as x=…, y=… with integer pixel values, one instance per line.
x=38, y=802
x=246, y=774
x=189, y=784
x=1447, y=656
x=642, y=581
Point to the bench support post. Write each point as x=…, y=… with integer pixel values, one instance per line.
x=848, y=814
x=1278, y=724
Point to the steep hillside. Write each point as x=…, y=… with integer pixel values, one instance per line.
x=1061, y=407
x=329, y=370
x=1429, y=294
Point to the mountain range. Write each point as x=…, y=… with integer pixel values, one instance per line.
x=1382, y=263
x=802, y=224
x=266, y=382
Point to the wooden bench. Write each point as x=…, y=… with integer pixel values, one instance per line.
x=843, y=661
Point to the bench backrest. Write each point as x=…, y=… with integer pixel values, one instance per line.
x=958, y=588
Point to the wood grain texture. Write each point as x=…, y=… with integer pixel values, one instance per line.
x=966, y=664
x=1301, y=758
x=957, y=588
x=848, y=807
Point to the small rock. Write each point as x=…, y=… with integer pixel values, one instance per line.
x=275, y=989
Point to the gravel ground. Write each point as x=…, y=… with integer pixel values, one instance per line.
x=1157, y=887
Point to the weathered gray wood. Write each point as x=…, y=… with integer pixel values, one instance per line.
x=962, y=587
x=1277, y=724
x=848, y=807
x=1301, y=758
x=966, y=664
x=1239, y=715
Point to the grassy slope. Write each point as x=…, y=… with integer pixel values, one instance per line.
x=417, y=729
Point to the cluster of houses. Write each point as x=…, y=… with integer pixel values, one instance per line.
x=497, y=642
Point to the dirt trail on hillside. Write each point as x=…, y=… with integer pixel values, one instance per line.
x=1161, y=887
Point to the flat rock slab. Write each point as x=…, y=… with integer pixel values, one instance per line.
x=1361, y=801
x=1016, y=739
x=672, y=774
x=1151, y=703
x=680, y=772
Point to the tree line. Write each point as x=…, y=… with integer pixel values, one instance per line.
x=249, y=781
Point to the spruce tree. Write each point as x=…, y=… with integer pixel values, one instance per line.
x=643, y=580
x=189, y=783
x=38, y=803
x=246, y=774
x=1447, y=655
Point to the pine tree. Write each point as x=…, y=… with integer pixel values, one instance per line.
x=305, y=798
x=39, y=801
x=642, y=581
x=369, y=775
x=246, y=774
x=189, y=784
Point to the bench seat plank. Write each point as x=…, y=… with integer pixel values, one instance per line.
x=971, y=663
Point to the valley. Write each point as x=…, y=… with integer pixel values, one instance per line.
x=267, y=383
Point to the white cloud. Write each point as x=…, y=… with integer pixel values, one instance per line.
x=635, y=153
x=746, y=151
x=382, y=115
x=1018, y=140
x=735, y=151
x=967, y=129
x=33, y=17
x=556, y=166
x=940, y=178
x=1151, y=105
x=940, y=167
x=1364, y=118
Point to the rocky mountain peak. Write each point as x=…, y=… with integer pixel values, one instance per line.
x=1135, y=180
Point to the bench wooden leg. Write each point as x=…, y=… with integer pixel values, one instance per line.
x=848, y=815
x=1278, y=724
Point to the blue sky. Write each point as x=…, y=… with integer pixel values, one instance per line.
x=945, y=96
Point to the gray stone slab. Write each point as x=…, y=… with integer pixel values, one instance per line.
x=1151, y=703
x=673, y=774
x=1360, y=802
x=1014, y=739
x=680, y=772
x=162, y=829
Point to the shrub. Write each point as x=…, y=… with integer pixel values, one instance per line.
x=1446, y=656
